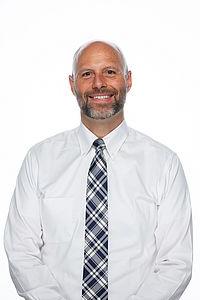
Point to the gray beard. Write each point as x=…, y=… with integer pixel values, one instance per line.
x=103, y=113
x=100, y=115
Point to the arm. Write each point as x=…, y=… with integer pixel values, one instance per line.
x=173, y=266
x=23, y=238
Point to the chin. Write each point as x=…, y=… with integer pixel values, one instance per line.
x=97, y=115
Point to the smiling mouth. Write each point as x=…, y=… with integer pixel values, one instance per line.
x=101, y=97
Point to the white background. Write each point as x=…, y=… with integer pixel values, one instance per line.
x=161, y=42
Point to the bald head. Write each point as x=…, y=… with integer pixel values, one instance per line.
x=100, y=80
x=95, y=46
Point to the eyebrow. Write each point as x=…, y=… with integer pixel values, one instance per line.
x=111, y=67
x=90, y=69
x=84, y=70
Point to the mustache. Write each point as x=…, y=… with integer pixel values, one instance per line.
x=93, y=92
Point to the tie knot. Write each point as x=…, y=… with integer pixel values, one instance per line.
x=99, y=144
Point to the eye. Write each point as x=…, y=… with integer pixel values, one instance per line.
x=110, y=72
x=86, y=74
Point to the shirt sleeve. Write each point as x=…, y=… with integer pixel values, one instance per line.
x=23, y=238
x=173, y=265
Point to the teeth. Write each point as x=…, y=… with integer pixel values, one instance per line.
x=101, y=97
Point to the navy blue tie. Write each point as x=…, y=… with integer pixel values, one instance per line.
x=95, y=271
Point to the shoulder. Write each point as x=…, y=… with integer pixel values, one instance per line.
x=149, y=147
x=55, y=143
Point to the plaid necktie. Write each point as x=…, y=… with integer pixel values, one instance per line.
x=95, y=272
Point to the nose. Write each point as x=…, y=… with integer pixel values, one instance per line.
x=98, y=81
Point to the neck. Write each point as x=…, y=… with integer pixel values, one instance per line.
x=102, y=127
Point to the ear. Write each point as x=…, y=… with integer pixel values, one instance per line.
x=128, y=81
x=71, y=82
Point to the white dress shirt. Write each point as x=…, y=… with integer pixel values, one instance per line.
x=149, y=218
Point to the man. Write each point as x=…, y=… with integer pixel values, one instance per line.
x=101, y=211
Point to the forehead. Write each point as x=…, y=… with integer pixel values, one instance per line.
x=97, y=55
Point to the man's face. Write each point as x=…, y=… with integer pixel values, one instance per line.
x=100, y=83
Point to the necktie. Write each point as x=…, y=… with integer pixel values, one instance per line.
x=95, y=271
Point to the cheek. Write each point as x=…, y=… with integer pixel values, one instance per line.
x=83, y=86
x=117, y=84
x=120, y=88
x=80, y=90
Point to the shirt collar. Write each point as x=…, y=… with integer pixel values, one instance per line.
x=113, y=140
